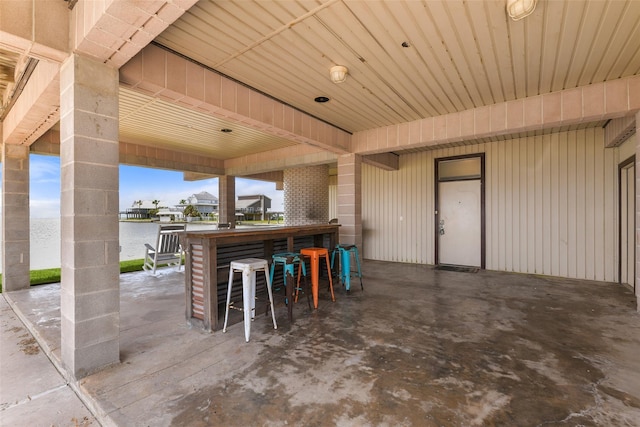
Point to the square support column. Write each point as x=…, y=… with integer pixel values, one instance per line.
x=637, y=168
x=227, y=200
x=350, y=199
x=15, y=217
x=89, y=160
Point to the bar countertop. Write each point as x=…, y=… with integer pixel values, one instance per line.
x=209, y=252
x=269, y=232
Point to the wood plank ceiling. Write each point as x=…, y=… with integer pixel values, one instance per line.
x=153, y=122
x=408, y=59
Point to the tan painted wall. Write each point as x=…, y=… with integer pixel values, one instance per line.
x=551, y=206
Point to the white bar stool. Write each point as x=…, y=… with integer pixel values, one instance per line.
x=248, y=267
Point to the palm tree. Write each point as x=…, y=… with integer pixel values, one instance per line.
x=156, y=203
x=183, y=202
x=138, y=202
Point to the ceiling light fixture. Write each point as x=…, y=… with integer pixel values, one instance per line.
x=518, y=9
x=321, y=99
x=338, y=73
x=226, y=130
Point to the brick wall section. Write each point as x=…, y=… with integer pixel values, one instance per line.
x=350, y=199
x=306, y=195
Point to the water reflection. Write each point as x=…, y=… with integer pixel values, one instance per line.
x=45, y=240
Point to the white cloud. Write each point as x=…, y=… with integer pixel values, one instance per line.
x=44, y=208
x=43, y=169
x=44, y=186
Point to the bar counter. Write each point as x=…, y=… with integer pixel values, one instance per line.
x=208, y=254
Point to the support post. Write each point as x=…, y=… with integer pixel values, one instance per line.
x=350, y=200
x=89, y=157
x=636, y=285
x=15, y=217
x=227, y=197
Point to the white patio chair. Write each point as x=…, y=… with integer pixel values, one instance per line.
x=167, y=250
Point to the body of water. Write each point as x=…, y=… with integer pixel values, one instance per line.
x=45, y=240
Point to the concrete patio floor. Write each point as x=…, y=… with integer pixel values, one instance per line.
x=418, y=347
x=32, y=391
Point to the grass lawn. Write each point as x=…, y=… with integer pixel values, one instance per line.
x=52, y=275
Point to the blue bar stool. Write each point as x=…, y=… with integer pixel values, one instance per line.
x=248, y=267
x=289, y=260
x=345, y=252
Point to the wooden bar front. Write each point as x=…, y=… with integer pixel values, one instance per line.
x=208, y=254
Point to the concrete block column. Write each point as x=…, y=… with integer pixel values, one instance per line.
x=306, y=195
x=89, y=157
x=637, y=281
x=350, y=199
x=227, y=200
x=15, y=217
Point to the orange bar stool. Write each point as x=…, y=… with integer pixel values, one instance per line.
x=315, y=254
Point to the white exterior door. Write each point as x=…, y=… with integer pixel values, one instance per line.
x=460, y=223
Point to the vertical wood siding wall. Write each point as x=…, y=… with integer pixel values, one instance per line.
x=333, y=199
x=551, y=206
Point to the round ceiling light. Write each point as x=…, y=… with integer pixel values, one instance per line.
x=338, y=73
x=321, y=99
x=226, y=130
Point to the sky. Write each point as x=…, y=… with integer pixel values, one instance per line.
x=136, y=183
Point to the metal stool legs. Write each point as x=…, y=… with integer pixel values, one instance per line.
x=248, y=267
x=289, y=260
x=344, y=252
x=316, y=254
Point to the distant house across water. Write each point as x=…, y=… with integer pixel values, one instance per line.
x=253, y=207
x=170, y=215
x=205, y=202
x=140, y=209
